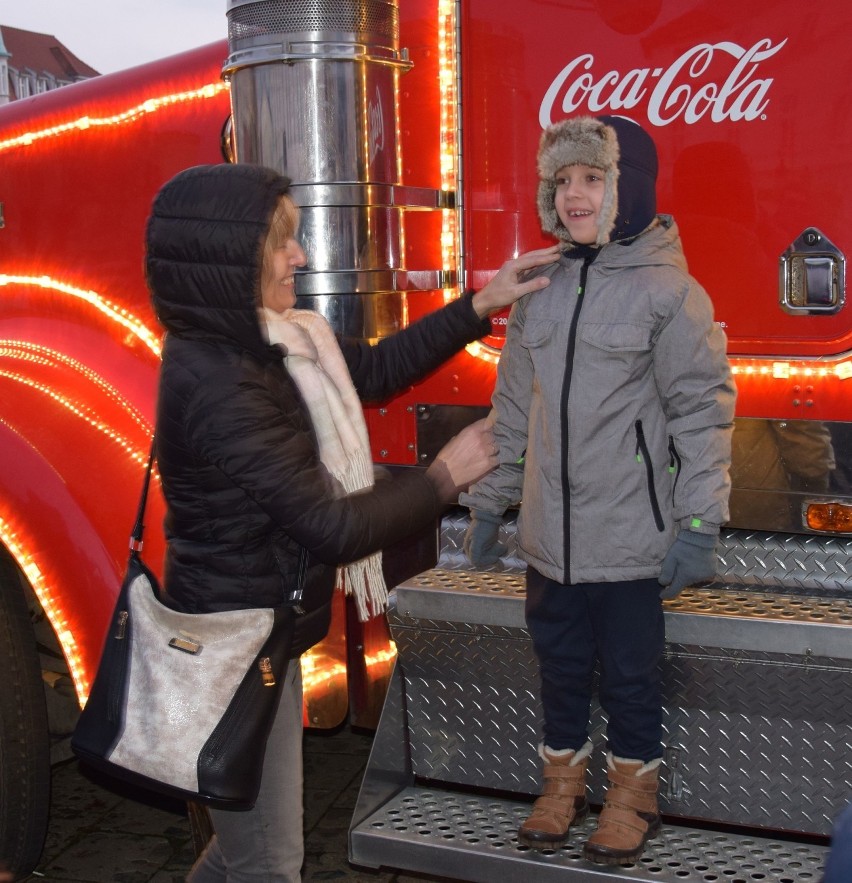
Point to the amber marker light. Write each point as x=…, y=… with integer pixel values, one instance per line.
x=832, y=517
x=318, y=671
x=484, y=352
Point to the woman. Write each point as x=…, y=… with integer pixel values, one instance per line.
x=240, y=456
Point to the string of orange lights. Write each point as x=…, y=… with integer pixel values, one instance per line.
x=151, y=339
x=148, y=106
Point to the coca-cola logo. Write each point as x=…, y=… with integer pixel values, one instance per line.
x=375, y=126
x=690, y=88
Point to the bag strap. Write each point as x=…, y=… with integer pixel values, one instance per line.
x=139, y=525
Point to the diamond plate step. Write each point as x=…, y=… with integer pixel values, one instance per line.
x=713, y=617
x=748, y=559
x=471, y=837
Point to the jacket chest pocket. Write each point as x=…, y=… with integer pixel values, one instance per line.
x=622, y=348
x=539, y=332
x=545, y=341
x=617, y=337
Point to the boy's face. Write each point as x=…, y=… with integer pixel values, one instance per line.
x=579, y=195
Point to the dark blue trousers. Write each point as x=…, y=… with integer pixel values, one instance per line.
x=620, y=627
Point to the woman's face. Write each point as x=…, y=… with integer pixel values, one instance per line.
x=278, y=283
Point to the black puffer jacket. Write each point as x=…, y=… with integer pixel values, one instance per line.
x=242, y=478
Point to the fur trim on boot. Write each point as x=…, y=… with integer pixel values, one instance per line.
x=630, y=816
x=563, y=799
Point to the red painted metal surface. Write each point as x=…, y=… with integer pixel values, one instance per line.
x=743, y=103
x=746, y=104
x=79, y=345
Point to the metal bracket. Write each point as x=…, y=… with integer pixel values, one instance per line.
x=812, y=277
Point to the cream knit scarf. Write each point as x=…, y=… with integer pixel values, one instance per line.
x=316, y=364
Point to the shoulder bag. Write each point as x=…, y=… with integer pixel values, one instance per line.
x=183, y=703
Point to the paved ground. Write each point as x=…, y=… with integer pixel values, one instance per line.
x=101, y=832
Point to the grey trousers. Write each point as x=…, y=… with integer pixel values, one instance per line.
x=265, y=844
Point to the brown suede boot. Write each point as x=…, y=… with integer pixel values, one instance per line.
x=630, y=816
x=563, y=799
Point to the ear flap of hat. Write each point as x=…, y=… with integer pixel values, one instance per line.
x=637, y=183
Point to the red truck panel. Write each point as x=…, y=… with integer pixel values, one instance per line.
x=79, y=345
x=746, y=103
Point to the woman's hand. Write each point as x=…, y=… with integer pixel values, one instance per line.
x=464, y=459
x=507, y=286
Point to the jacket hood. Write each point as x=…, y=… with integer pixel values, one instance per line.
x=204, y=242
x=623, y=151
x=659, y=245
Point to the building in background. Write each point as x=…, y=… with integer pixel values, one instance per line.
x=31, y=63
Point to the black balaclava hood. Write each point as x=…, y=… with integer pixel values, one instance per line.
x=204, y=250
x=626, y=154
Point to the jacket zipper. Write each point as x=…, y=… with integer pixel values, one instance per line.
x=566, y=389
x=642, y=455
x=292, y=597
x=674, y=465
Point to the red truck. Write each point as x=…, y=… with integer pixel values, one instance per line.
x=410, y=132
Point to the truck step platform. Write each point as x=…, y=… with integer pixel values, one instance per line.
x=756, y=681
x=473, y=837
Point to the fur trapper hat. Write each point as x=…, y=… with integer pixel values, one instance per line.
x=626, y=155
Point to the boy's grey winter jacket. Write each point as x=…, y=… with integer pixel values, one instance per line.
x=614, y=412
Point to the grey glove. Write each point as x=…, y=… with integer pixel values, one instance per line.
x=480, y=541
x=691, y=559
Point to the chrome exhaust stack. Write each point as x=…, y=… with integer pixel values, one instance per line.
x=314, y=95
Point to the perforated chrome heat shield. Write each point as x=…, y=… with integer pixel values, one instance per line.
x=473, y=838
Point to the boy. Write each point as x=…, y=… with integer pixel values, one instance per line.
x=613, y=413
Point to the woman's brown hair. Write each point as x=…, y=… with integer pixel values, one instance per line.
x=283, y=226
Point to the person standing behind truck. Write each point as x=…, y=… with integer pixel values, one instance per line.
x=613, y=414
